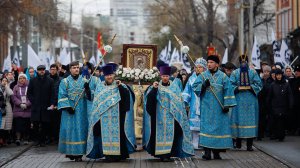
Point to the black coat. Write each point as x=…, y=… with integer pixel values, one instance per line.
x=41, y=95
x=56, y=80
x=295, y=86
x=280, y=97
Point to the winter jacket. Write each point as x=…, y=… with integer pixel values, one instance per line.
x=280, y=97
x=17, y=101
x=41, y=95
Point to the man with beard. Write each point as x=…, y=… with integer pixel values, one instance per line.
x=41, y=95
x=166, y=127
x=74, y=122
x=111, y=120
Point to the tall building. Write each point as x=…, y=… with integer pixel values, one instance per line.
x=284, y=18
x=288, y=23
x=129, y=21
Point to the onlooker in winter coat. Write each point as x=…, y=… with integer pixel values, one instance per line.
x=41, y=95
x=281, y=100
x=21, y=110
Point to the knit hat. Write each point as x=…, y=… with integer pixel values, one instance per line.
x=22, y=75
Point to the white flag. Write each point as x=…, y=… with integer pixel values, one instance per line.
x=45, y=58
x=285, y=55
x=255, y=55
x=7, y=63
x=276, y=48
x=32, y=59
x=64, y=57
x=225, y=57
x=16, y=60
x=186, y=63
x=93, y=61
x=52, y=61
x=273, y=37
x=163, y=54
x=175, y=57
x=169, y=52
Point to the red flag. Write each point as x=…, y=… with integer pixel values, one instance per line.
x=100, y=43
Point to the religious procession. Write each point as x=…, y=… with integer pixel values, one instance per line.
x=173, y=89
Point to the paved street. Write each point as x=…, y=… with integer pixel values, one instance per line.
x=48, y=157
x=287, y=151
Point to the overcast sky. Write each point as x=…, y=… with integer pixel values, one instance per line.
x=89, y=7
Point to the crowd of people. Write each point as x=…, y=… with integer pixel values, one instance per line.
x=215, y=107
x=28, y=101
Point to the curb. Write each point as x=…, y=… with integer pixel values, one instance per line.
x=17, y=155
x=265, y=151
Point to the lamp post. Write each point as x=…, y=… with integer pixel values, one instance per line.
x=82, y=29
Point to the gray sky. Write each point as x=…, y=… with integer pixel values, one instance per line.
x=89, y=8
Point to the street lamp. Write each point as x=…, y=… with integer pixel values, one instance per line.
x=82, y=29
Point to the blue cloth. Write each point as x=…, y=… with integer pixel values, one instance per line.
x=92, y=84
x=178, y=82
x=214, y=123
x=170, y=107
x=245, y=114
x=106, y=109
x=73, y=127
x=193, y=101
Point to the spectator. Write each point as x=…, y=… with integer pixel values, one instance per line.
x=289, y=73
x=295, y=115
x=41, y=95
x=263, y=104
x=7, y=115
x=30, y=73
x=21, y=110
x=281, y=100
x=55, y=115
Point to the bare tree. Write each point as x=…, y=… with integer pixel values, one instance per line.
x=200, y=22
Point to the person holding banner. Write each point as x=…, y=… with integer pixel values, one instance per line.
x=216, y=94
x=247, y=84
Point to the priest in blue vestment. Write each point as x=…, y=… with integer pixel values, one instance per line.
x=74, y=123
x=111, y=120
x=216, y=94
x=166, y=128
x=192, y=101
x=247, y=84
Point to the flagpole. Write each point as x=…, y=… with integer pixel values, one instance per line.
x=76, y=103
x=211, y=88
x=294, y=61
